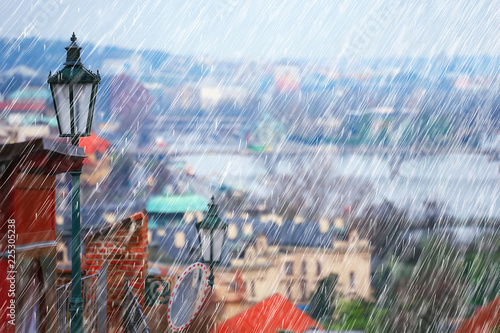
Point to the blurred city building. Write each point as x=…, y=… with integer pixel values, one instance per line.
x=262, y=255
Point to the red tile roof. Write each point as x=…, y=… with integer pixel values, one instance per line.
x=267, y=316
x=23, y=106
x=92, y=144
x=484, y=320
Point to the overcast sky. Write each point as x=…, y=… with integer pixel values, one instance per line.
x=266, y=28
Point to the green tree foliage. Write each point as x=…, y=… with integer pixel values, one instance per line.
x=353, y=315
x=421, y=298
x=322, y=304
x=421, y=286
x=483, y=269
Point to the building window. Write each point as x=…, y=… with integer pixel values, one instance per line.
x=303, y=287
x=289, y=291
x=234, y=254
x=289, y=268
x=252, y=288
x=351, y=280
x=304, y=268
x=233, y=287
x=241, y=255
x=318, y=268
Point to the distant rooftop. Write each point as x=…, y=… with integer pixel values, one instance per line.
x=174, y=204
x=179, y=242
x=32, y=120
x=24, y=107
x=30, y=94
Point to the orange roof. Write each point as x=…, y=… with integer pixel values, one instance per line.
x=484, y=320
x=92, y=144
x=267, y=316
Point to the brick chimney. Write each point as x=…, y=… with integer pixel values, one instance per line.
x=124, y=245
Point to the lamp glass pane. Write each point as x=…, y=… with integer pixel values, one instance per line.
x=61, y=96
x=205, y=244
x=82, y=94
x=218, y=243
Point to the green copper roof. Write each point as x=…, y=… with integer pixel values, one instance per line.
x=29, y=120
x=176, y=204
x=30, y=94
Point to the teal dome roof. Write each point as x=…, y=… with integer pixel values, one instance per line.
x=172, y=204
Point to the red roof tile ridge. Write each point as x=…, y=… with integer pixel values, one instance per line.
x=485, y=319
x=277, y=312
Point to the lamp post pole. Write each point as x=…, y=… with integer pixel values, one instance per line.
x=211, y=277
x=76, y=302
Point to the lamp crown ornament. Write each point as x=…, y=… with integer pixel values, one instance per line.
x=213, y=208
x=73, y=57
x=212, y=219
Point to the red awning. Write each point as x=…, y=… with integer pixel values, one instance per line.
x=271, y=314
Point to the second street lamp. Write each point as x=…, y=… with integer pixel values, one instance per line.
x=211, y=235
x=74, y=90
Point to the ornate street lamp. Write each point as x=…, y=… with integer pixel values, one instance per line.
x=74, y=90
x=211, y=235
